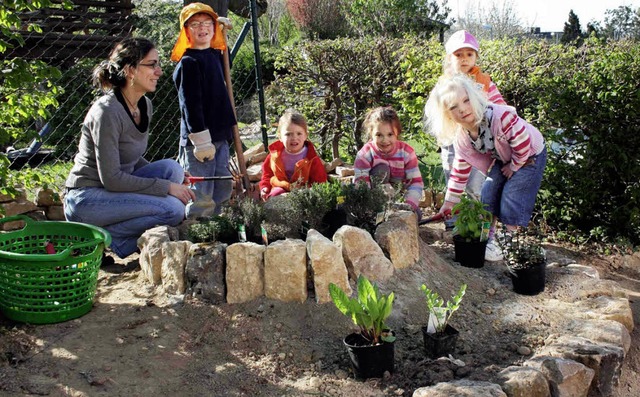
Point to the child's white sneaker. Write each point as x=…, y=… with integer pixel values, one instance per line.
x=493, y=253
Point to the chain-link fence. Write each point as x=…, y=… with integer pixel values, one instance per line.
x=77, y=39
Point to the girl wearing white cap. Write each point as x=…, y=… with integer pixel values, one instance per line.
x=462, y=53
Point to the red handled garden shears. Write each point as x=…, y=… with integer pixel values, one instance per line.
x=440, y=216
x=194, y=179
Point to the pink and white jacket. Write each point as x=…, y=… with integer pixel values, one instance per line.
x=515, y=141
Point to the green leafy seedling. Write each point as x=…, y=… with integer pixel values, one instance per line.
x=368, y=310
x=436, y=305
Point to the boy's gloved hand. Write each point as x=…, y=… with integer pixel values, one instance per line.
x=203, y=148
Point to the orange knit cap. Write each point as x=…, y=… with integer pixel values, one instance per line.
x=217, y=42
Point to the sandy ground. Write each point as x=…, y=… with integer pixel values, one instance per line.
x=136, y=341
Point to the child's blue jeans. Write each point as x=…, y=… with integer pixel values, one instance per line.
x=512, y=200
x=220, y=191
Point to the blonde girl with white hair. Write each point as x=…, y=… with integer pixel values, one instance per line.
x=496, y=141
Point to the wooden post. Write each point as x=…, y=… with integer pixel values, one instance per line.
x=236, y=132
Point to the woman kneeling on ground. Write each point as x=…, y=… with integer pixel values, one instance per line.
x=111, y=185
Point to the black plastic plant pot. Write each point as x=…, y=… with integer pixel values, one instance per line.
x=469, y=253
x=440, y=344
x=334, y=220
x=529, y=280
x=369, y=361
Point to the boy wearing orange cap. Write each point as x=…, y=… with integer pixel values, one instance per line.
x=207, y=117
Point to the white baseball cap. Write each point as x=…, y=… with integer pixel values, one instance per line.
x=461, y=39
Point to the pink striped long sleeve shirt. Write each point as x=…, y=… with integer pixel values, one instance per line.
x=515, y=141
x=403, y=165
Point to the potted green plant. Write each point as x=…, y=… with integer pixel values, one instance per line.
x=372, y=349
x=525, y=259
x=439, y=336
x=470, y=231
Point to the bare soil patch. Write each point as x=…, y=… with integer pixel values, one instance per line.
x=137, y=341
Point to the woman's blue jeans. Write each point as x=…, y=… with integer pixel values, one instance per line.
x=127, y=215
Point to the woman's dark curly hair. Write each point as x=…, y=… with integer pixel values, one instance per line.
x=128, y=52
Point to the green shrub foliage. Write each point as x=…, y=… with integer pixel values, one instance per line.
x=218, y=228
x=584, y=100
x=333, y=83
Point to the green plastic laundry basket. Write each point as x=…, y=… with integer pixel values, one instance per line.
x=41, y=288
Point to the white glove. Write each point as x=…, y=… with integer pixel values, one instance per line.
x=226, y=23
x=203, y=149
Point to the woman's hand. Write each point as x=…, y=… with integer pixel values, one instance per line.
x=182, y=193
x=187, y=175
x=507, y=171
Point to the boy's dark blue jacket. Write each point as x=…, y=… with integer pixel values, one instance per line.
x=203, y=97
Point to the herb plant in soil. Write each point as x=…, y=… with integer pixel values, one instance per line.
x=439, y=336
x=371, y=350
x=470, y=231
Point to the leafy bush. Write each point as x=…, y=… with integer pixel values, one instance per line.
x=314, y=202
x=363, y=203
x=282, y=218
x=218, y=228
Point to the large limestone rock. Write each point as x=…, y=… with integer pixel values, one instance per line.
x=567, y=378
x=398, y=237
x=606, y=331
x=603, y=358
x=462, y=388
x=150, y=245
x=524, y=382
x=346, y=170
x=285, y=271
x=591, y=288
x=598, y=308
x=173, y=265
x=327, y=264
x=253, y=150
x=245, y=272
x=47, y=198
x=362, y=255
x=254, y=172
x=205, y=271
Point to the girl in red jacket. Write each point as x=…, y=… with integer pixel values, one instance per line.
x=292, y=160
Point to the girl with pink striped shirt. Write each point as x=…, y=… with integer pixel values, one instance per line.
x=493, y=139
x=387, y=159
x=462, y=53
